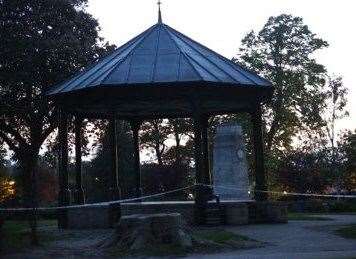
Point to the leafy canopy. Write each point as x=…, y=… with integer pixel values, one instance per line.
x=283, y=53
x=42, y=43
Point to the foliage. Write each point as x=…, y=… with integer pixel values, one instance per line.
x=347, y=147
x=335, y=104
x=3, y=160
x=347, y=232
x=283, y=53
x=153, y=135
x=303, y=216
x=181, y=131
x=42, y=44
x=220, y=236
x=47, y=183
x=99, y=169
x=303, y=172
x=16, y=235
x=7, y=188
x=343, y=206
x=159, y=178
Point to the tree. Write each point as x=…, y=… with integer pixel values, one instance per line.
x=99, y=169
x=347, y=147
x=3, y=161
x=180, y=129
x=7, y=188
x=162, y=178
x=42, y=44
x=334, y=110
x=283, y=53
x=7, y=184
x=153, y=135
x=303, y=172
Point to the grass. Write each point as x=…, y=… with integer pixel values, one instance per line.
x=304, y=216
x=16, y=234
x=347, y=232
x=219, y=236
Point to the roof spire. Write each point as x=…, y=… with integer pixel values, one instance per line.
x=159, y=11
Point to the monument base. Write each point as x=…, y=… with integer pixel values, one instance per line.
x=233, y=212
x=267, y=212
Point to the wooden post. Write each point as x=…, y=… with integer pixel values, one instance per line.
x=79, y=192
x=115, y=192
x=259, y=155
x=2, y=221
x=135, y=127
x=205, y=150
x=64, y=192
x=198, y=150
x=201, y=195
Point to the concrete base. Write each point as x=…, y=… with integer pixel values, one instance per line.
x=236, y=212
x=267, y=212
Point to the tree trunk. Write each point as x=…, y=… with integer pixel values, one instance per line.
x=157, y=143
x=177, y=139
x=159, y=155
x=28, y=164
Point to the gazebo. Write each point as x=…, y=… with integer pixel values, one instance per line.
x=161, y=73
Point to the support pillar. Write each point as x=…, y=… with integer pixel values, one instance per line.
x=259, y=154
x=64, y=192
x=79, y=192
x=203, y=193
x=115, y=192
x=135, y=127
x=198, y=154
x=205, y=150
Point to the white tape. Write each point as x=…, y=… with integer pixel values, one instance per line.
x=173, y=191
x=283, y=193
x=108, y=203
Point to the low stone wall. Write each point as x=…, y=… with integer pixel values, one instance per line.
x=236, y=213
x=267, y=212
x=91, y=217
x=186, y=209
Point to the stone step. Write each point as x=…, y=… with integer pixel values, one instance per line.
x=213, y=213
x=213, y=222
x=214, y=216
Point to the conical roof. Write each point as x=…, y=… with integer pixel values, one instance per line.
x=161, y=55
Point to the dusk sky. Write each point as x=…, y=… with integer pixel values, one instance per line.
x=220, y=25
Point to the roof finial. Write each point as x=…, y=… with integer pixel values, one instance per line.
x=159, y=11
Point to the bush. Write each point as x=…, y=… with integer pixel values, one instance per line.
x=342, y=206
x=156, y=179
x=322, y=206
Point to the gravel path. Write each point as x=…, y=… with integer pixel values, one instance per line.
x=297, y=239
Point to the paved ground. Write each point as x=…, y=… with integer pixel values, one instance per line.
x=297, y=239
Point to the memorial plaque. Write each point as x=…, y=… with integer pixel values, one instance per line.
x=230, y=172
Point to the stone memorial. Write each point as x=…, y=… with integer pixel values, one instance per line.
x=230, y=173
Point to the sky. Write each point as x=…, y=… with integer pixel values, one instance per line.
x=220, y=25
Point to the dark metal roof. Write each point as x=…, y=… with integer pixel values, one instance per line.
x=161, y=55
